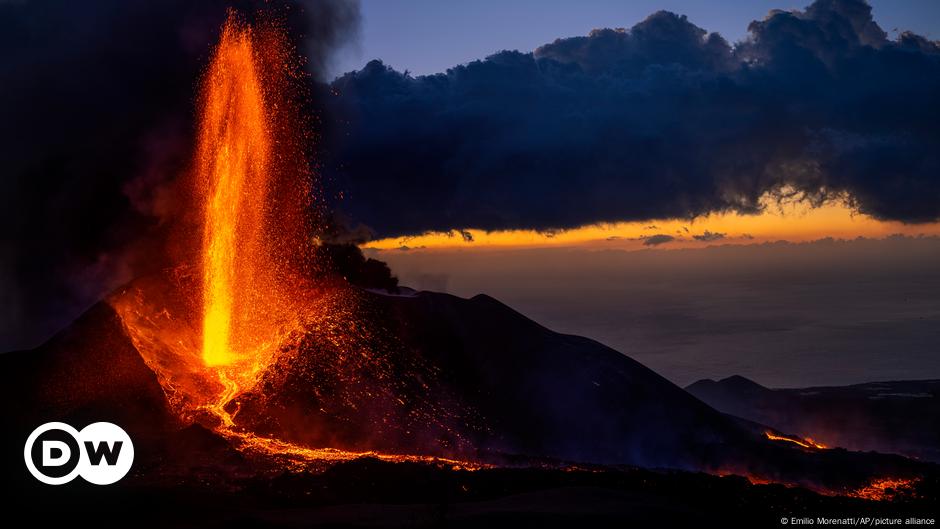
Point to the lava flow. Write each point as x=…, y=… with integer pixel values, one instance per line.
x=804, y=442
x=886, y=489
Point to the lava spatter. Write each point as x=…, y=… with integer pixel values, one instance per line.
x=244, y=318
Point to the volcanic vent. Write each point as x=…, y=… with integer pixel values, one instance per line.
x=226, y=327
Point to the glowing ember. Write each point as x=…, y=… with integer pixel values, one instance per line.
x=885, y=489
x=879, y=489
x=805, y=442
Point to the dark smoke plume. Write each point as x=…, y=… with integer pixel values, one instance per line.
x=663, y=120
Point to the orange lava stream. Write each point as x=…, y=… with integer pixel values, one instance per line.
x=300, y=458
x=805, y=442
x=879, y=489
x=886, y=489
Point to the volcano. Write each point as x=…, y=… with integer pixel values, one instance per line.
x=249, y=375
x=469, y=401
x=465, y=380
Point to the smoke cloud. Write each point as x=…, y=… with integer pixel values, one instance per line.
x=663, y=120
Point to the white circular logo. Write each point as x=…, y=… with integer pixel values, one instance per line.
x=101, y=453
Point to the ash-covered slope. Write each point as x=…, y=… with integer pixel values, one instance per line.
x=548, y=394
x=473, y=379
x=86, y=373
x=895, y=417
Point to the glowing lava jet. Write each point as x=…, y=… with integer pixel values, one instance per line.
x=233, y=169
x=243, y=295
x=250, y=185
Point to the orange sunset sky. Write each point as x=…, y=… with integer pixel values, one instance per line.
x=795, y=222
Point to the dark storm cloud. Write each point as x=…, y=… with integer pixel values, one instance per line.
x=96, y=100
x=662, y=120
x=656, y=240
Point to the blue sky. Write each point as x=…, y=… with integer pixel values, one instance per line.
x=428, y=36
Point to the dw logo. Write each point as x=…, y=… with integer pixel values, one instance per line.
x=102, y=453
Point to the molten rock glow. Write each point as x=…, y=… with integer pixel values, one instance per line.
x=233, y=169
x=238, y=333
x=805, y=442
x=886, y=489
x=212, y=326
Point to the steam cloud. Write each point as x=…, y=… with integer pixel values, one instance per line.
x=663, y=120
